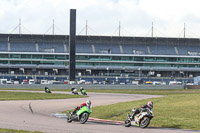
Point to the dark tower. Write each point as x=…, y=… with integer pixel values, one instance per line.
x=72, y=45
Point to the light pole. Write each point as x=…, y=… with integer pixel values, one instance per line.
x=139, y=72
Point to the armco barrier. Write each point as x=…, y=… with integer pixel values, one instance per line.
x=97, y=86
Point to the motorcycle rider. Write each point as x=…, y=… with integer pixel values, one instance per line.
x=74, y=90
x=81, y=89
x=144, y=107
x=47, y=90
x=87, y=103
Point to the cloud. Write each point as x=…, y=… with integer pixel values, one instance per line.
x=103, y=16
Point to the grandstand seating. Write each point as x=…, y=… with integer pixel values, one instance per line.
x=83, y=48
x=102, y=45
x=51, y=47
x=22, y=47
x=100, y=48
x=184, y=49
x=107, y=48
x=3, y=46
x=162, y=49
x=128, y=48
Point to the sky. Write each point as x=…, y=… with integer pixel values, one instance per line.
x=136, y=17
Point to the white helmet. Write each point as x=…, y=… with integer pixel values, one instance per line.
x=150, y=104
x=88, y=103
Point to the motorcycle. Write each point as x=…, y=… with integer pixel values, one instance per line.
x=83, y=92
x=47, y=90
x=81, y=115
x=141, y=119
x=74, y=91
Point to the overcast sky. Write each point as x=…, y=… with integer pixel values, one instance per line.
x=103, y=16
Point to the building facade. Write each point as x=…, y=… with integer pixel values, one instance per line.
x=100, y=55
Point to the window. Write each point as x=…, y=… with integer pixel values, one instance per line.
x=4, y=56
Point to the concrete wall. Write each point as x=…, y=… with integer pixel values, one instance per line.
x=62, y=86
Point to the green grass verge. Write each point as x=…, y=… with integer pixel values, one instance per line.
x=127, y=91
x=6, y=95
x=173, y=111
x=146, y=91
x=4, y=130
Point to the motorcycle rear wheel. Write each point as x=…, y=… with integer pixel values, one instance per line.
x=84, y=118
x=127, y=123
x=144, y=122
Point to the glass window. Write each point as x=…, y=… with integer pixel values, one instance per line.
x=25, y=62
x=139, y=58
x=37, y=56
x=4, y=56
x=49, y=57
x=60, y=57
x=116, y=58
x=15, y=56
x=126, y=58
x=15, y=62
x=105, y=58
x=3, y=62
x=26, y=56
x=79, y=57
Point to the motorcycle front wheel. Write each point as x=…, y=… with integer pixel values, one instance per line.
x=69, y=120
x=144, y=122
x=84, y=118
x=127, y=123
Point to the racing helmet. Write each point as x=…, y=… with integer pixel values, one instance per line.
x=150, y=104
x=88, y=103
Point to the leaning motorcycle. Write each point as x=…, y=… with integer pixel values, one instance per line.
x=81, y=115
x=83, y=92
x=47, y=90
x=141, y=119
x=74, y=91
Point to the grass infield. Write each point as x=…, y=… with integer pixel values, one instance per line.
x=178, y=109
x=6, y=95
x=4, y=130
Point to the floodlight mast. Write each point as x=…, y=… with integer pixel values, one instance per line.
x=53, y=32
x=152, y=30
x=119, y=29
x=184, y=31
x=20, y=26
x=86, y=28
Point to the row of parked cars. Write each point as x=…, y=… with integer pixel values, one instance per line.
x=133, y=82
x=31, y=81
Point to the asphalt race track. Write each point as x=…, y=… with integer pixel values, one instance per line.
x=35, y=115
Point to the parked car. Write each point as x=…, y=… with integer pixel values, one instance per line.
x=156, y=83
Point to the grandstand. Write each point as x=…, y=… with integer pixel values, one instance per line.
x=100, y=55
